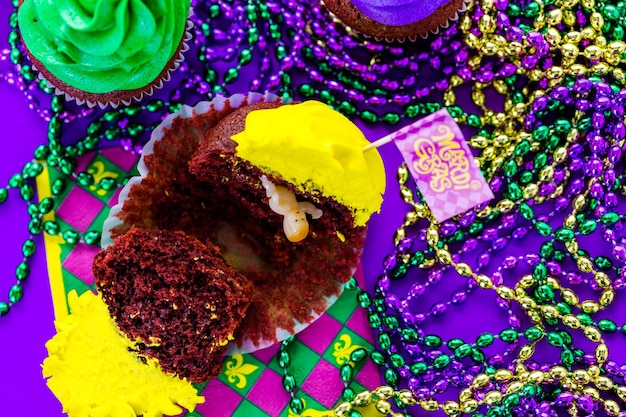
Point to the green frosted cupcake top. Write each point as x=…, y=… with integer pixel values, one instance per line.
x=100, y=46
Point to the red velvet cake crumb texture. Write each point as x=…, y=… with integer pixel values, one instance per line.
x=176, y=296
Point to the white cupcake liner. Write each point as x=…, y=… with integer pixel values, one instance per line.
x=113, y=221
x=140, y=94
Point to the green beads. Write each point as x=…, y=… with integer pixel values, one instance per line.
x=378, y=358
x=348, y=394
x=441, y=361
x=284, y=360
x=433, y=341
x=543, y=228
x=231, y=75
x=418, y=368
x=391, y=377
x=358, y=355
x=364, y=299
x=369, y=117
x=455, y=343
x=35, y=226
x=296, y=405
x=71, y=236
x=603, y=263
x=289, y=383
x=609, y=219
x=526, y=211
x=409, y=335
x=396, y=360
x=510, y=168
x=484, y=340
x=22, y=271
x=607, y=326
x=15, y=293
x=588, y=227
x=610, y=12
x=508, y=335
x=28, y=248
x=544, y=293
x=554, y=339
x=384, y=341
x=4, y=308
x=58, y=186
x=563, y=234
x=463, y=350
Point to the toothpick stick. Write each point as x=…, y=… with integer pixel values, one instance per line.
x=380, y=142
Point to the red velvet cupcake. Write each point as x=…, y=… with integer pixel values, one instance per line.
x=232, y=173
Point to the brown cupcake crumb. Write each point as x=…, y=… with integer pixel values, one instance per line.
x=176, y=296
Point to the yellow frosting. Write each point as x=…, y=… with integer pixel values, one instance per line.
x=92, y=373
x=317, y=149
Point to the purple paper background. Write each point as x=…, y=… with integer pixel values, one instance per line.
x=29, y=325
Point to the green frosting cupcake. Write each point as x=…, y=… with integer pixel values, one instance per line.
x=100, y=46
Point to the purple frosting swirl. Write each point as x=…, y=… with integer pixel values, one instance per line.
x=398, y=12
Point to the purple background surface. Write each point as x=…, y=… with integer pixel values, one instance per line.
x=24, y=331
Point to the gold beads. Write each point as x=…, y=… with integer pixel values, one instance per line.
x=451, y=408
x=592, y=333
x=612, y=407
x=558, y=372
x=484, y=282
x=480, y=380
x=469, y=406
x=493, y=397
x=526, y=352
x=464, y=270
x=505, y=293
x=406, y=397
x=590, y=307
x=503, y=375
x=602, y=353
x=383, y=406
x=363, y=398
x=607, y=297
x=429, y=405
x=384, y=392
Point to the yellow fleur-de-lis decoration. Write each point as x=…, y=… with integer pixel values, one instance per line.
x=343, y=349
x=309, y=412
x=237, y=370
x=98, y=170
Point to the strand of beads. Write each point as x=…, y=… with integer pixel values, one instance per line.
x=347, y=371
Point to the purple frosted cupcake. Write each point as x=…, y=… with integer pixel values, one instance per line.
x=396, y=19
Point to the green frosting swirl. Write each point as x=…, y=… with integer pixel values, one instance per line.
x=100, y=46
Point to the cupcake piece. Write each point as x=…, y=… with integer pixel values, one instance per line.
x=94, y=370
x=253, y=157
x=175, y=297
x=396, y=19
x=105, y=51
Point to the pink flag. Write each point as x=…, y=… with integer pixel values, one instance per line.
x=442, y=164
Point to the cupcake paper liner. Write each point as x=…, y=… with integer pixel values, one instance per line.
x=169, y=165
